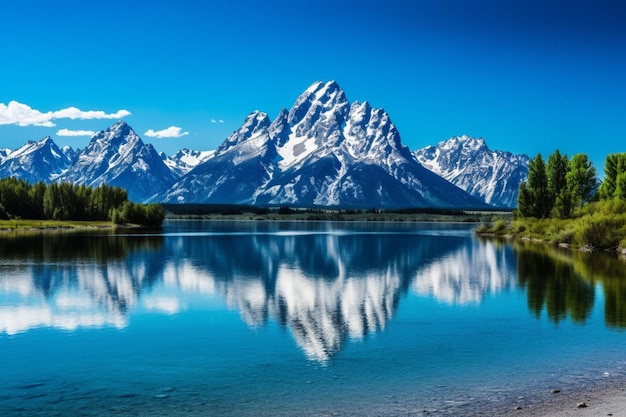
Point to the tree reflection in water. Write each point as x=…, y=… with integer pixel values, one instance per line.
x=564, y=282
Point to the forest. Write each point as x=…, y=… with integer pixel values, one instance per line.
x=65, y=201
x=563, y=202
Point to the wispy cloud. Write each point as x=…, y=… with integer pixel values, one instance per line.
x=20, y=114
x=170, y=132
x=217, y=121
x=67, y=132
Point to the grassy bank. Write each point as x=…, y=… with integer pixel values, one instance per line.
x=47, y=225
x=597, y=226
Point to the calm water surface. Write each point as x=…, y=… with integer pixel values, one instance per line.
x=259, y=318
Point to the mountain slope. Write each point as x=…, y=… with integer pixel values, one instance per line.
x=240, y=166
x=118, y=157
x=324, y=151
x=36, y=161
x=492, y=176
x=185, y=160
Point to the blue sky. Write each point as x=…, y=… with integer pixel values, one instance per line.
x=528, y=76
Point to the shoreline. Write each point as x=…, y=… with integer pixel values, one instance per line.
x=347, y=217
x=22, y=227
x=603, y=399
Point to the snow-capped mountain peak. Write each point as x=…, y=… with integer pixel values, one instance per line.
x=36, y=161
x=324, y=151
x=254, y=125
x=117, y=156
x=467, y=162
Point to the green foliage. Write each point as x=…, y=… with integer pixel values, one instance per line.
x=563, y=236
x=500, y=226
x=525, y=205
x=555, y=189
x=150, y=215
x=537, y=200
x=66, y=201
x=614, y=170
x=560, y=197
x=602, y=225
x=597, y=232
x=581, y=179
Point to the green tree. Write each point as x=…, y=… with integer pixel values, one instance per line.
x=51, y=201
x=581, y=179
x=524, y=201
x=614, y=167
x=560, y=196
x=35, y=200
x=537, y=188
x=620, y=186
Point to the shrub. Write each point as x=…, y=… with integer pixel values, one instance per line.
x=601, y=231
x=563, y=236
x=518, y=227
x=499, y=226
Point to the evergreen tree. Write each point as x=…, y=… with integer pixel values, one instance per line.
x=524, y=201
x=66, y=201
x=615, y=165
x=620, y=186
x=560, y=197
x=581, y=179
x=538, y=188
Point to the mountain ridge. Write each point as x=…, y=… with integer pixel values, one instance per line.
x=324, y=151
x=491, y=175
x=118, y=157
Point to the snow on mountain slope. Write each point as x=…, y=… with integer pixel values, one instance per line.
x=118, y=157
x=492, y=176
x=36, y=161
x=185, y=160
x=239, y=168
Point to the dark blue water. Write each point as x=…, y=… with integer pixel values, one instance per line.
x=260, y=318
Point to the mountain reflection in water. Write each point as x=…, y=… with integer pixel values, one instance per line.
x=326, y=285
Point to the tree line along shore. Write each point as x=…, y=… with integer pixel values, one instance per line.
x=26, y=205
x=564, y=203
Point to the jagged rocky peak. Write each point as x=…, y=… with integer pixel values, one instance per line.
x=468, y=163
x=464, y=141
x=371, y=127
x=117, y=134
x=117, y=156
x=255, y=124
x=279, y=129
x=320, y=109
x=35, y=161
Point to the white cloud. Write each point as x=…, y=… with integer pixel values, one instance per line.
x=217, y=121
x=170, y=132
x=16, y=113
x=74, y=113
x=67, y=132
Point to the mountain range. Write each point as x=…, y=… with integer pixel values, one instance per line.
x=322, y=152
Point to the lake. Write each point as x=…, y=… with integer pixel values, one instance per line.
x=301, y=318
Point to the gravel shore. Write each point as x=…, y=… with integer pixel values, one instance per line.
x=609, y=400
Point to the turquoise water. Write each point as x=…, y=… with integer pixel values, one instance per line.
x=260, y=318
